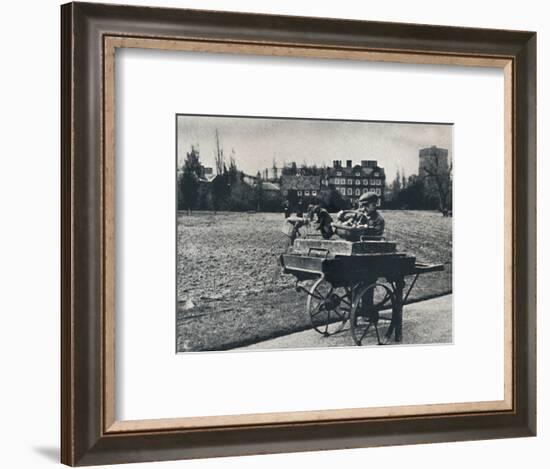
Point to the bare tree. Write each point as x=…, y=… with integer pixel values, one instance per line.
x=218, y=156
x=259, y=191
x=232, y=161
x=438, y=175
x=233, y=172
x=396, y=186
x=274, y=166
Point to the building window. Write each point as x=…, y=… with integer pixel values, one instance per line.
x=357, y=191
x=373, y=182
x=337, y=181
x=343, y=190
x=365, y=190
x=350, y=191
x=379, y=182
x=298, y=193
x=377, y=191
x=358, y=174
x=376, y=174
x=365, y=182
x=306, y=193
x=338, y=173
x=350, y=182
x=313, y=192
x=357, y=182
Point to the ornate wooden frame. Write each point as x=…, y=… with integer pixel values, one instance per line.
x=90, y=34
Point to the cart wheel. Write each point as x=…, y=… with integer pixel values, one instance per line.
x=371, y=316
x=328, y=307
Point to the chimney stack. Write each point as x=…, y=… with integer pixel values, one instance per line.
x=349, y=163
x=337, y=163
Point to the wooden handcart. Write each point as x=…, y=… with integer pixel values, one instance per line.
x=361, y=282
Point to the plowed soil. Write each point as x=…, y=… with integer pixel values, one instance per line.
x=231, y=291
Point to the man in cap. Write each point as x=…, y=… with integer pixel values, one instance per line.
x=368, y=204
x=367, y=215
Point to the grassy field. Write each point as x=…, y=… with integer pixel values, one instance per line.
x=231, y=291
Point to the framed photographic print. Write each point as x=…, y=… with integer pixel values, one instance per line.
x=289, y=234
x=333, y=246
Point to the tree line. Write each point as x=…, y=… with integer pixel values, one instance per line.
x=432, y=191
x=227, y=191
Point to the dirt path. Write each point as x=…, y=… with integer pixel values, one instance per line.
x=425, y=322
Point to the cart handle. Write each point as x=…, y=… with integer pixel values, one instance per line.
x=282, y=262
x=410, y=288
x=321, y=250
x=371, y=238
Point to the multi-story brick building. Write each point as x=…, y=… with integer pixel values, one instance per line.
x=300, y=190
x=352, y=181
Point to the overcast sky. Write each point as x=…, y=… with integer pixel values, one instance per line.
x=257, y=141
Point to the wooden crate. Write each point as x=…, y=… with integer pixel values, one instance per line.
x=332, y=248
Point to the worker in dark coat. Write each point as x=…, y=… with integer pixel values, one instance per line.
x=323, y=222
x=286, y=208
x=300, y=208
x=367, y=215
x=368, y=206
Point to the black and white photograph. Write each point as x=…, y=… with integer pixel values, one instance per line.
x=302, y=233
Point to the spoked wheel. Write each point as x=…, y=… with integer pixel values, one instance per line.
x=371, y=318
x=328, y=307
